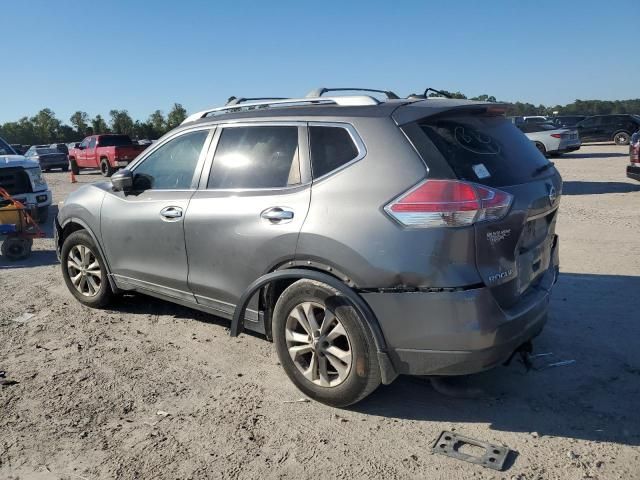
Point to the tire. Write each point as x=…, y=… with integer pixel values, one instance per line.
x=621, y=138
x=65, y=168
x=43, y=214
x=16, y=248
x=74, y=167
x=541, y=148
x=74, y=262
x=105, y=168
x=354, y=377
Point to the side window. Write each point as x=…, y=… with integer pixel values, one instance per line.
x=171, y=167
x=331, y=148
x=92, y=143
x=591, y=122
x=84, y=143
x=256, y=157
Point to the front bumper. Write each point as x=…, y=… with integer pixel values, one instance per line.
x=633, y=172
x=460, y=332
x=38, y=199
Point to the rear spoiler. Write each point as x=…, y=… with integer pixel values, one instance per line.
x=433, y=107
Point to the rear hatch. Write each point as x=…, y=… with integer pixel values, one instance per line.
x=514, y=252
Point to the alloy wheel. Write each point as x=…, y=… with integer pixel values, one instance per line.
x=318, y=344
x=84, y=270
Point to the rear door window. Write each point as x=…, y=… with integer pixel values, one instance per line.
x=331, y=148
x=256, y=157
x=486, y=150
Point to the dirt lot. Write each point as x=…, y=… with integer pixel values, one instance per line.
x=152, y=390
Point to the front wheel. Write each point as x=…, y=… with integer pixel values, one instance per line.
x=324, y=346
x=621, y=138
x=105, y=168
x=84, y=270
x=43, y=214
x=74, y=167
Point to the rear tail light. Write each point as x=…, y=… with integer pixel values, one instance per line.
x=448, y=203
x=556, y=135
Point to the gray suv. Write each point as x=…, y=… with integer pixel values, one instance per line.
x=367, y=238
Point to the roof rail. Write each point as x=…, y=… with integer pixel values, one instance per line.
x=237, y=100
x=353, y=101
x=319, y=91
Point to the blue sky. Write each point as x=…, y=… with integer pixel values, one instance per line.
x=139, y=55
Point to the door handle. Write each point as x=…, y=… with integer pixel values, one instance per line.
x=277, y=214
x=171, y=213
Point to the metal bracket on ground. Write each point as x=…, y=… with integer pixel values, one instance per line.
x=449, y=444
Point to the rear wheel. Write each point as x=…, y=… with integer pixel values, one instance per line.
x=65, y=168
x=323, y=345
x=621, y=138
x=16, y=248
x=105, y=168
x=541, y=148
x=74, y=167
x=84, y=271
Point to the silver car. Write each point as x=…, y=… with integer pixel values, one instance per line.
x=366, y=238
x=551, y=139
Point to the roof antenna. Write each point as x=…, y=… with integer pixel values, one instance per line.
x=439, y=92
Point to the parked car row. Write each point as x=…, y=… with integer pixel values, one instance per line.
x=596, y=128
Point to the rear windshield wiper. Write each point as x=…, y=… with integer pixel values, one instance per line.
x=544, y=167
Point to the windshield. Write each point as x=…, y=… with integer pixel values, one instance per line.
x=115, y=141
x=5, y=148
x=487, y=150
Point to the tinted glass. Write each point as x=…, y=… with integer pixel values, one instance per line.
x=5, y=149
x=487, y=150
x=115, y=141
x=92, y=143
x=256, y=157
x=331, y=147
x=171, y=167
x=590, y=122
x=538, y=127
x=45, y=151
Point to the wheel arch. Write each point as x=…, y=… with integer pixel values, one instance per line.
x=387, y=370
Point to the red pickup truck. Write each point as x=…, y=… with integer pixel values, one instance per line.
x=106, y=152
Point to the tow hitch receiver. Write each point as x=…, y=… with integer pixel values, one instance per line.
x=449, y=444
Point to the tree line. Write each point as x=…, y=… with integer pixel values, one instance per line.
x=44, y=127
x=578, y=107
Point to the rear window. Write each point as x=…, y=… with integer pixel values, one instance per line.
x=487, y=150
x=115, y=141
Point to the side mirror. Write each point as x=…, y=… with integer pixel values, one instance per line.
x=80, y=147
x=122, y=181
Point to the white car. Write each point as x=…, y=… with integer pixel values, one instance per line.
x=550, y=139
x=23, y=180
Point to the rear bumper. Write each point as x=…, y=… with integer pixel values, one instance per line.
x=633, y=172
x=458, y=333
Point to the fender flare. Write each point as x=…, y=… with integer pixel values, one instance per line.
x=237, y=322
x=387, y=370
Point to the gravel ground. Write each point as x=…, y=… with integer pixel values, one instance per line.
x=153, y=390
